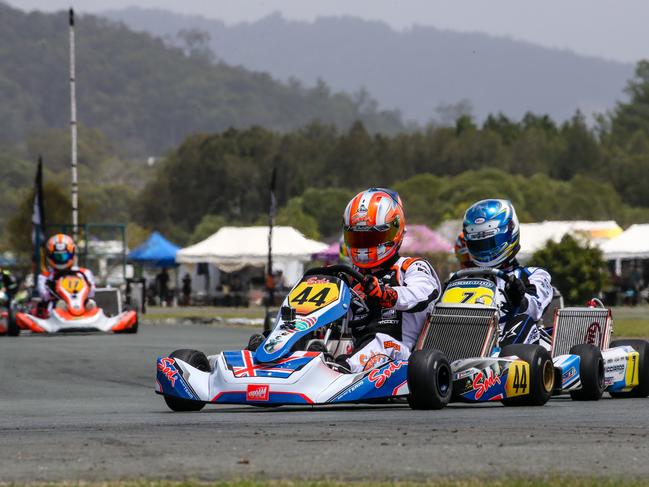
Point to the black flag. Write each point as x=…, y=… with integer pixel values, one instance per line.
x=38, y=214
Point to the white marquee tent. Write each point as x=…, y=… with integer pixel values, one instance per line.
x=535, y=235
x=232, y=248
x=632, y=244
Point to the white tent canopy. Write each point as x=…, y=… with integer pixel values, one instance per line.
x=632, y=244
x=232, y=248
x=534, y=236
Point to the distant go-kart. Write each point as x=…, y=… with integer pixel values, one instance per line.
x=72, y=312
x=464, y=326
x=286, y=369
x=589, y=363
x=7, y=313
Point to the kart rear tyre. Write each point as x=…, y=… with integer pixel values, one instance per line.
x=591, y=372
x=541, y=374
x=12, y=326
x=642, y=347
x=430, y=380
x=195, y=359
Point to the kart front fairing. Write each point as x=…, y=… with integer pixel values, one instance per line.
x=275, y=373
x=61, y=321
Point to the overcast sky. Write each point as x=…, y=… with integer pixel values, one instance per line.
x=613, y=29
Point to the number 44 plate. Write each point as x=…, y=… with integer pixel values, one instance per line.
x=313, y=294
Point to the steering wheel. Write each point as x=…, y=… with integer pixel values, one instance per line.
x=480, y=272
x=335, y=270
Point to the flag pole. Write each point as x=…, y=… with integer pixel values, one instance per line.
x=270, y=282
x=73, y=133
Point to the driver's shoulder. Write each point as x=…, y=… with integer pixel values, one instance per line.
x=415, y=264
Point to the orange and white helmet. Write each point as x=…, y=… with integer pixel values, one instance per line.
x=462, y=252
x=60, y=250
x=373, y=227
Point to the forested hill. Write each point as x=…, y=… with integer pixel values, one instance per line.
x=415, y=70
x=144, y=96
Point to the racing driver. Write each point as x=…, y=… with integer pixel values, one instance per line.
x=60, y=251
x=396, y=293
x=492, y=235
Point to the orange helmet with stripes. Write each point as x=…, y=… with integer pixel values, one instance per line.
x=373, y=227
x=60, y=250
x=462, y=252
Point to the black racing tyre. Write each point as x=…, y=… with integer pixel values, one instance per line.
x=541, y=374
x=642, y=347
x=255, y=340
x=195, y=359
x=12, y=327
x=430, y=381
x=591, y=372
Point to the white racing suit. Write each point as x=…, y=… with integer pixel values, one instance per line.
x=520, y=325
x=47, y=281
x=383, y=334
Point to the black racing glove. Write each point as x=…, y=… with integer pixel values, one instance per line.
x=515, y=291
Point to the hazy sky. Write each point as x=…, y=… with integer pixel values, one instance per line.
x=614, y=29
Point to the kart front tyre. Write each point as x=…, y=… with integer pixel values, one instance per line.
x=541, y=374
x=642, y=347
x=13, y=330
x=195, y=359
x=429, y=380
x=591, y=372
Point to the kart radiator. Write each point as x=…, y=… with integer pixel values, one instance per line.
x=573, y=326
x=460, y=331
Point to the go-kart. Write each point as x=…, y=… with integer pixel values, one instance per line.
x=74, y=312
x=464, y=325
x=285, y=369
x=7, y=314
x=590, y=363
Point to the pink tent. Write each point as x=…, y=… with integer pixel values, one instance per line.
x=330, y=254
x=421, y=240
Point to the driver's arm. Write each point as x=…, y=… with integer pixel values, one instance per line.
x=420, y=288
x=538, y=292
x=91, y=281
x=43, y=288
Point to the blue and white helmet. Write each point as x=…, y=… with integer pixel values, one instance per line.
x=492, y=232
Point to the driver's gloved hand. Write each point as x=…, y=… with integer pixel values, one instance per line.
x=515, y=291
x=379, y=293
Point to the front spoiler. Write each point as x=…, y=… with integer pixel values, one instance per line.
x=312, y=382
x=490, y=379
x=620, y=370
x=95, y=322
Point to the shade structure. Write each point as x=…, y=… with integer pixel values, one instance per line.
x=631, y=244
x=421, y=240
x=329, y=254
x=232, y=248
x=156, y=251
x=534, y=236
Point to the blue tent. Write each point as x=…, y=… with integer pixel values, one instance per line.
x=156, y=251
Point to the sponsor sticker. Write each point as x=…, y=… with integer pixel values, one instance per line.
x=166, y=367
x=378, y=377
x=593, y=334
x=258, y=392
x=483, y=382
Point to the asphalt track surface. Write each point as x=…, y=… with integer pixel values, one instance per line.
x=82, y=408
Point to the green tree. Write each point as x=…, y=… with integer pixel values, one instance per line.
x=294, y=216
x=208, y=226
x=577, y=270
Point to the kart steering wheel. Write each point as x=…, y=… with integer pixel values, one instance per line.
x=334, y=270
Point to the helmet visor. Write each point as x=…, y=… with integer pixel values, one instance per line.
x=370, y=237
x=486, y=245
x=62, y=257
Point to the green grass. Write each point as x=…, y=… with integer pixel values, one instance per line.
x=469, y=482
x=190, y=312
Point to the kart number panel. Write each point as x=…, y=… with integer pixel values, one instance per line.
x=313, y=293
x=470, y=291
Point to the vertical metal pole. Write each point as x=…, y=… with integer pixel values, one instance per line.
x=73, y=133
